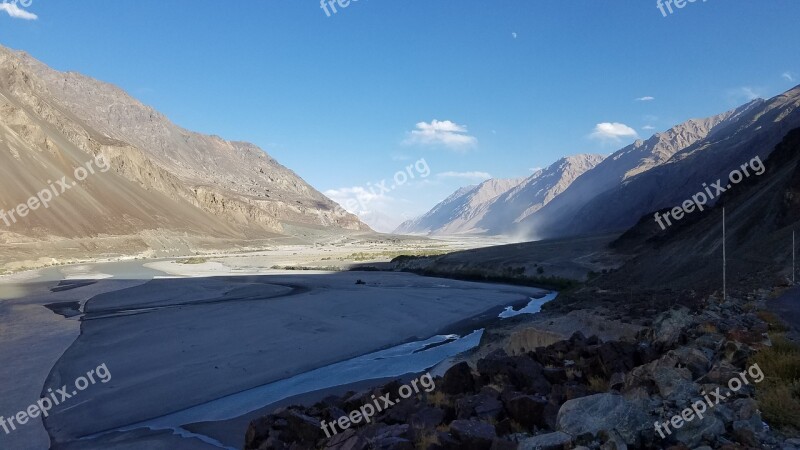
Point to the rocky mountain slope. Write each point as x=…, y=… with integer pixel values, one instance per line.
x=494, y=206
x=163, y=180
x=459, y=212
x=761, y=214
x=670, y=168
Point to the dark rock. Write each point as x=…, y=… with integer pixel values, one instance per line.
x=388, y=437
x=617, y=381
x=348, y=440
x=616, y=357
x=472, y=434
x=522, y=372
x=695, y=360
x=744, y=432
x=458, y=380
x=527, y=410
x=257, y=432
x=555, y=375
x=484, y=405
x=427, y=418
x=503, y=444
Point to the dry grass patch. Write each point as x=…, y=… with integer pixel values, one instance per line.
x=779, y=394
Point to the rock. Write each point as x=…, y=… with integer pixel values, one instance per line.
x=669, y=326
x=671, y=382
x=302, y=427
x=427, y=418
x=527, y=410
x=503, y=444
x=348, y=440
x=711, y=341
x=613, y=441
x=555, y=375
x=744, y=432
x=473, y=434
x=721, y=373
x=522, y=372
x=603, y=412
x=458, y=380
x=550, y=441
x=693, y=433
x=617, y=381
x=616, y=356
x=257, y=432
x=695, y=360
x=483, y=405
x=746, y=409
x=385, y=437
x=736, y=353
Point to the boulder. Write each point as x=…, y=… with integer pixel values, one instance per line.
x=522, y=372
x=484, y=405
x=550, y=441
x=473, y=434
x=348, y=440
x=458, y=380
x=669, y=326
x=696, y=360
x=527, y=410
x=693, y=433
x=604, y=412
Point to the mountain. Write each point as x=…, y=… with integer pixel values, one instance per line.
x=536, y=192
x=733, y=139
x=458, y=213
x=164, y=183
x=761, y=214
x=623, y=165
x=494, y=206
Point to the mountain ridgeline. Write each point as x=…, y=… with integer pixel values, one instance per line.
x=586, y=194
x=165, y=184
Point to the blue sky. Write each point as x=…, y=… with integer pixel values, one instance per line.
x=476, y=88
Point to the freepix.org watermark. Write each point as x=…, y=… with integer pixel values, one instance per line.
x=330, y=5
x=699, y=200
x=666, y=5
x=709, y=400
x=357, y=199
x=45, y=404
x=53, y=190
x=382, y=403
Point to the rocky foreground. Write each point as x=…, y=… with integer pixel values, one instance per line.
x=576, y=393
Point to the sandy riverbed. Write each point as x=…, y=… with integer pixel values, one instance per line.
x=177, y=335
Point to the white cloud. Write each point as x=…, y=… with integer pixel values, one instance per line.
x=514, y=34
x=613, y=132
x=468, y=175
x=16, y=12
x=648, y=127
x=645, y=99
x=356, y=199
x=789, y=76
x=445, y=133
x=535, y=169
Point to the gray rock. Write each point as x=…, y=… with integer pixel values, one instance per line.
x=550, y=441
x=692, y=433
x=604, y=412
x=669, y=325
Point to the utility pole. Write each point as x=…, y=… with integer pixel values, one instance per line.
x=724, y=261
x=793, y=259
